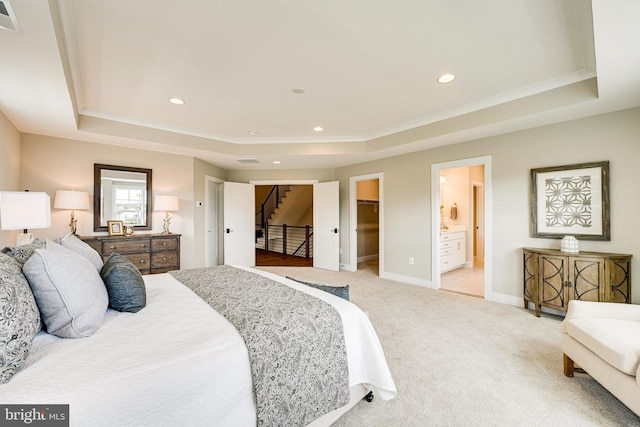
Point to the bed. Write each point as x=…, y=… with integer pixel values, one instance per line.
x=177, y=362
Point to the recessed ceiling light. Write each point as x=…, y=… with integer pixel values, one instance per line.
x=252, y=133
x=318, y=129
x=176, y=101
x=446, y=78
x=297, y=91
x=276, y=162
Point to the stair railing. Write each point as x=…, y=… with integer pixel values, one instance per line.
x=271, y=203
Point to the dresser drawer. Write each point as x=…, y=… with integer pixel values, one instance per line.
x=453, y=235
x=164, y=244
x=141, y=260
x=126, y=246
x=162, y=260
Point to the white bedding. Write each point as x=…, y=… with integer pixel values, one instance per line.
x=176, y=362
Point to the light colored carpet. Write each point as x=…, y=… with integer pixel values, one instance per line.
x=462, y=361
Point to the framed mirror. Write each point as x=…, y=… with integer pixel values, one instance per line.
x=121, y=193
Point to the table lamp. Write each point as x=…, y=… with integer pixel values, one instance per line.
x=74, y=200
x=24, y=210
x=166, y=204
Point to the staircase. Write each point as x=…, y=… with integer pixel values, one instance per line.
x=287, y=226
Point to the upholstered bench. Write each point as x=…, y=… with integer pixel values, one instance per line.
x=604, y=340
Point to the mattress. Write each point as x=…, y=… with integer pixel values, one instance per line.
x=176, y=362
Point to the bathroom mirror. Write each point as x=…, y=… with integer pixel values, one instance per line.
x=121, y=193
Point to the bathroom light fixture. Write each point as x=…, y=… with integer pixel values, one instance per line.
x=176, y=101
x=318, y=129
x=276, y=162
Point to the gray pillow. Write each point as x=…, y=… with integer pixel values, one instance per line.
x=339, y=291
x=124, y=283
x=19, y=317
x=68, y=290
x=23, y=253
x=81, y=248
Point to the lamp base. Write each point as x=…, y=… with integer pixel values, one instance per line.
x=24, y=239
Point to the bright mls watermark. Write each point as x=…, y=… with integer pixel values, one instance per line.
x=34, y=415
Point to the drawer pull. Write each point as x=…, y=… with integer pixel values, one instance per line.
x=141, y=261
x=142, y=245
x=164, y=243
x=112, y=247
x=164, y=258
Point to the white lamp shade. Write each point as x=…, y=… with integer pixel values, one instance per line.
x=24, y=210
x=74, y=200
x=166, y=204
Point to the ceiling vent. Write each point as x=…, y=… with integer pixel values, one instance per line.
x=8, y=19
x=248, y=161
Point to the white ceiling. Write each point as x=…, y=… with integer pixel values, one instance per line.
x=103, y=70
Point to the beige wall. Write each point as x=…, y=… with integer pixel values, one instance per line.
x=322, y=175
x=407, y=193
x=9, y=168
x=50, y=164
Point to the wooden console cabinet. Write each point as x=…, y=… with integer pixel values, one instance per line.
x=151, y=253
x=553, y=278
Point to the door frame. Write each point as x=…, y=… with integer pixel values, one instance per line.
x=208, y=213
x=353, y=220
x=436, y=169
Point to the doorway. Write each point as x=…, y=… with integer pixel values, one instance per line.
x=460, y=226
x=284, y=225
x=366, y=236
x=459, y=185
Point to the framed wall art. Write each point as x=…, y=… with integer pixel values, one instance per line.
x=571, y=200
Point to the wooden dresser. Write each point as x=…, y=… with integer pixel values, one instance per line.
x=553, y=278
x=151, y=253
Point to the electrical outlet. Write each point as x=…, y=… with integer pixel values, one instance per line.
x=411, y=260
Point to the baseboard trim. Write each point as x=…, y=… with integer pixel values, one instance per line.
x=504, y=299
x=406, y=279
x=368, y=258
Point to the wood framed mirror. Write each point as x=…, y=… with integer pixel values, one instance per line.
x=121, y=193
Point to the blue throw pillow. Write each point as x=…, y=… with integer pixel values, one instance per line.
x=124, y=283
x=339, y=291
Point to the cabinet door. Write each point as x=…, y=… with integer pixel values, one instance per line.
x=530, y=273
x=619, y=276
x=587, y=276
x=552, y=276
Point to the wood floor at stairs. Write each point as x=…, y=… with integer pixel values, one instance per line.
x=264, y=258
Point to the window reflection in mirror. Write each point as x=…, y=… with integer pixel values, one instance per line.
x=122, y=193
x=124, y=197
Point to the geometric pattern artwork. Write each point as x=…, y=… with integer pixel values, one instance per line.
x=568, y=201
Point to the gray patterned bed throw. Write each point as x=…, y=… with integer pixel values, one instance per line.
x=295, y=342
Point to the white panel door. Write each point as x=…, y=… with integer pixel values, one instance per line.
x=239, y=227
x=326, y=222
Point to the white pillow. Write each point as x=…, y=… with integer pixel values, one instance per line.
x=81, y=248
x=68, y=290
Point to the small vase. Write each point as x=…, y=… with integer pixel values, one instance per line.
x=569, y=244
